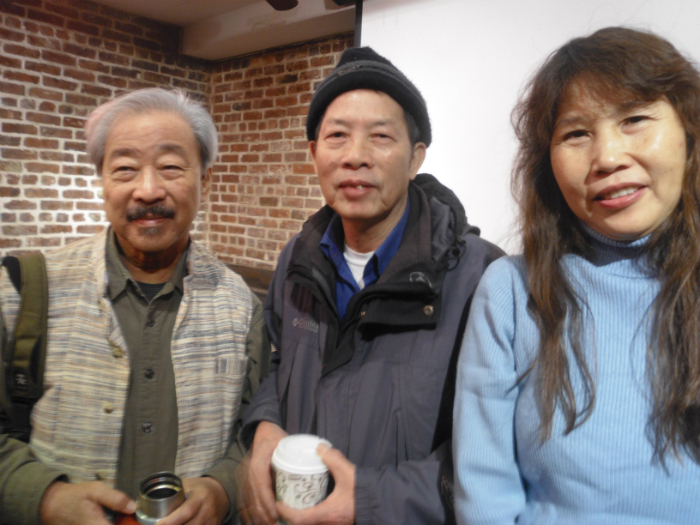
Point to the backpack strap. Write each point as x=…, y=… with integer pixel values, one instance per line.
x=26, y=370
x=25, y=356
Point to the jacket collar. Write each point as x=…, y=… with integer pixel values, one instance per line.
x=434, y=230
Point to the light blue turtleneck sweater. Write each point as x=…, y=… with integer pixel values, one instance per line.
x=603, y=472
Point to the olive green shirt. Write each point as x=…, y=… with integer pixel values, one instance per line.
x=150, y=430
x=149, y=435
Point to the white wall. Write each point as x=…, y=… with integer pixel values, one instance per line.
x=471, y=59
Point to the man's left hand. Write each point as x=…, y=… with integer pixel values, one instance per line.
x=339, y=507
x=207, y=504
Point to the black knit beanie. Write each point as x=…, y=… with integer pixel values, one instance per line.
x=363, y=68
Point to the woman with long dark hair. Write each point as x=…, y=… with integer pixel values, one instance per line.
x=578, y=386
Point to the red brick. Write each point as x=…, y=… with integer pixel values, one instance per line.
x=25, y=229
x=10, y=114
x=295, y=157
x=40, y=67
x=11, y=166
x=9, y=62
x=42, y=118
x=96, y=19
x=17, y=154
x=56, y=228
x=269, y=201
x=58, y=58
x=90, y=229
x=14, y=49
x=56, y=132
x=40, y=193
x=32, y=142
x=146, y=44
x=287, y=79
x=56, y=205
x=47, y=18
x=272, y=157
x=26, y=129
x=41, y=167
x=81, y=51
x=44, y=242
x=79, y=75
x=112, y=81
x=78, y=170
x=12, y=89
x=73, y=122
x=11, y=36
x=78, y=194
x=298, y=111
x=46, y=94
x=84, y=205
x=6, y=140
x=9, y=192
x=93, y=66
x=12, y=9
x=74, y=146
x=80, y=27
x=20, y=205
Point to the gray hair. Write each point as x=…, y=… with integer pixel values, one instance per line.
x=101, y=120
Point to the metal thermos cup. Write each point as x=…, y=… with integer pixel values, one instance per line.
x=159, y=495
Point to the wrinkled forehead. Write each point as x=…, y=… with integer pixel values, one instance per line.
x=154, y=132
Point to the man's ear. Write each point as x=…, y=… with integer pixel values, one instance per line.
x=312, y=150
x=206, y=184
x=417, y=159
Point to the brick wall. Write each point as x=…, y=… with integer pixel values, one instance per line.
x=264, y=186
x=58, y=61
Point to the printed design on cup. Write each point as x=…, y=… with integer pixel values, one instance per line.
x=301, y=477
x=301, y=491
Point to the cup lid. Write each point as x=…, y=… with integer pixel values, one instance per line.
x=297, y=454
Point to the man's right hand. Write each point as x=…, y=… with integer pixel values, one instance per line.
x=256, y=498
x=81, y=503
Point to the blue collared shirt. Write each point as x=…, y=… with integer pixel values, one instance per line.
x=332, y=245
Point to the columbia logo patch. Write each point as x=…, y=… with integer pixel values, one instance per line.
x=305, y=324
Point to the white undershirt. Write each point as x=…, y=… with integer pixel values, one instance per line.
x=357, y=262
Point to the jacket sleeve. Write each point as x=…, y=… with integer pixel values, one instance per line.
x=258, y=367
x=405, y=493
x=265, y=406
x=488, y=483
x=23, y=478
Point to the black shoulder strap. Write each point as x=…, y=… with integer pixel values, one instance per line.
x=25, y=356
x=26, y=370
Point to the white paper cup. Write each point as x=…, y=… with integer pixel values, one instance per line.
x=301, y=478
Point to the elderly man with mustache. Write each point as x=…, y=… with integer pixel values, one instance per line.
x=153, y=344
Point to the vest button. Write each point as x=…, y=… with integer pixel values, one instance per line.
x=428, y=309
x=108, y=408
x=117, y=352
x=149, y=373
x=147, y=427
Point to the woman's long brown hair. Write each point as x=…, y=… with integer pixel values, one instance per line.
x=619, y=64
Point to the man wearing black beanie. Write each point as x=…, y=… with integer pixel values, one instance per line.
x=367, y=309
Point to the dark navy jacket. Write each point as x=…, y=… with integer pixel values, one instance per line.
x=380, y=386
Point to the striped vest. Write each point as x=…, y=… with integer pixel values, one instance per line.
x=77, y=424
